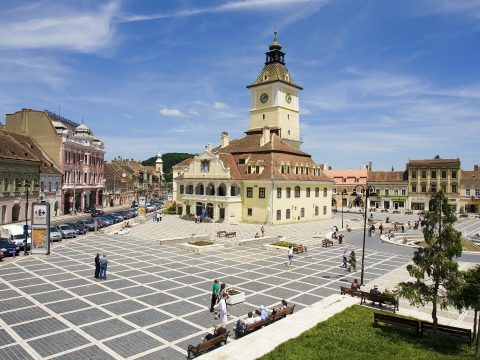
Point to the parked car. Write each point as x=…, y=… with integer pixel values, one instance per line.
x=55, y=234
x=67, y=231
x=103, y=222
x=97, y=212
x=88, y=210
x=79, y=227
x=118, y=216
x=14, y=232
x=1, y=255
x=8, y=247
x=89, y=224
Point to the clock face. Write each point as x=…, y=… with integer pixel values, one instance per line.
x=288, y=98
x=263, y=98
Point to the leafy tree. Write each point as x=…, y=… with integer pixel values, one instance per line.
x=437, y=157
x=467, y=297
x=434, y=269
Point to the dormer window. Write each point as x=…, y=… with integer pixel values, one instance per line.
x=265, y=77
x=287, y=78
x=205, y=166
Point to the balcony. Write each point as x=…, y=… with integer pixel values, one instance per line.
x=211, y=198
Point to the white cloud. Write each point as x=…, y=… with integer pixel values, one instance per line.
x=219, y=105
x=128, y=116
x=61, y=28
x=171, y=112
x=238, y=5
x=193, y=112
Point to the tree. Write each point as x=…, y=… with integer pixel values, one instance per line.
x=434, y=269
x=437, y=157
x=467, y=296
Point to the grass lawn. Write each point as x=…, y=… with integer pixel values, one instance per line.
x=350, y=335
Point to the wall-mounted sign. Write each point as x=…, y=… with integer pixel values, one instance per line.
x=40, y=226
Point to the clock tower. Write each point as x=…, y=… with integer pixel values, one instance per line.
x=274, y=98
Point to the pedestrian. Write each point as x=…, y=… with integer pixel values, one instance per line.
x=290, y=255
x=353, y=262
x=373, y=230
x=345, y=259
x=262, y=230
x=403, y=228
x=158, y=217
x=154, y=217
x=221, y=307
x=215, y=291
x=103, y=266
x=97, y=266
x=381, y=228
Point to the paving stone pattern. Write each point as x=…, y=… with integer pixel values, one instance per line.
x=155, y=300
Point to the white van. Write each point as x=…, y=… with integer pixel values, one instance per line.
x=14, y=232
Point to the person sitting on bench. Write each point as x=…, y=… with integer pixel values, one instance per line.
x=376, y=292
x=218, y=330
x=282, y=306
x=257, y=316
x=355, y=285
x=263, y=312
x=242, y=324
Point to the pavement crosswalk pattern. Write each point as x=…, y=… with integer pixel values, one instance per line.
x=155, y=300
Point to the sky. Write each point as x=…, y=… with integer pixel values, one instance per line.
x=383, y=81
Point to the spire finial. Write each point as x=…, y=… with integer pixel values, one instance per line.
x=275, y=32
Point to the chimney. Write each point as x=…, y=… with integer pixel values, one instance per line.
x=208, y=147
x=265, y=136
x=224, y=139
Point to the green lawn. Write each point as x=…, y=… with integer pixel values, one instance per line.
x=350, y=335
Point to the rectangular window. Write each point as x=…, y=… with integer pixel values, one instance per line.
x=356, y=180
x=404, y=192
x=424, y=188
x=433, y=188
x=249, y=212
x=454, y=174
x=261, y=193
x=467, y=192
x=287, y=214
x=5, y=184
x=308, y=192
x=414, y=174
x=414, y=188
x=477, y=192
x=444, y=174
x=302, y=212
x=297, y=191
x=279, y=193
x=334, y=191
x=316, y=210
x=324, y=210
x=289, y=192
x=324, y=192
x=182, y=189
x=279, y=214
x=444, y=188
x=241, y=161
x=249, y=192
x=454, y=189
x=386, y=192
x=424, y=174
x=395, y=192
x=344, y=180
x=434, y=174
x=56, y=185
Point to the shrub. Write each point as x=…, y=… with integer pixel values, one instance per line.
x=201, y=243
x=283, y=244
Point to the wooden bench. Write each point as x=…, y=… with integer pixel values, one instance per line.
x=297, y=249
x=280, y=314
x=193, y=351
x=231, y=234
x=410, y=324
x=381, y=299
x=350, y=291
x=326, y=243
x=253, y=327
x=221, y=233
x=451, y=331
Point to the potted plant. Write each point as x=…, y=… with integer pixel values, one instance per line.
x=235, y=296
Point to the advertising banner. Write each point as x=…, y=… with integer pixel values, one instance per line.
x=40, y=228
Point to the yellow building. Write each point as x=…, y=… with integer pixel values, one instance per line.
x=263, y=177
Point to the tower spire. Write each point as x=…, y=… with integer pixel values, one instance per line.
x=275, y=53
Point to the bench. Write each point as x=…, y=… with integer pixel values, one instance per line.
x=297, y=249
x=452, y=331
x=349, y=291
x=221, y=233
x=326, y=243
x=381, y=299
x=231, y=234
x=410, y=324
x=408, y=212
x=252, y=327
x=193, y=351
x=280, y=314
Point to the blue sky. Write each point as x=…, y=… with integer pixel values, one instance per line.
x=384, y=81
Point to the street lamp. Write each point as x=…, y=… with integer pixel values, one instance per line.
x=344, y=192
x=367, y=194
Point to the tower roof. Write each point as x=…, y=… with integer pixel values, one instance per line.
x=274, y=69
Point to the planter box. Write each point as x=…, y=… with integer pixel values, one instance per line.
x=236, y=299
x=200, y=249
x=277, y=249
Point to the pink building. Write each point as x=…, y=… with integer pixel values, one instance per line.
x=346, y=181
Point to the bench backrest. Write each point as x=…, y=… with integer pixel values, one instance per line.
x=428, y=326
x=212, y=342
x=395, y=319
x=257, y=325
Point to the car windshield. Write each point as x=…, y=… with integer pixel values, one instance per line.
x=65, y=227
x=53, y=229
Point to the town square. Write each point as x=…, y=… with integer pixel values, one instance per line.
x=239, y=179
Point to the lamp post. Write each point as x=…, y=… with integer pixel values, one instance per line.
x=344, y=192
x=367, y=194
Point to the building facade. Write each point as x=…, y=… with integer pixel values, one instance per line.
x=263, y=177
x=74, y=150
x=389, y=190
x=19, y=172
x=345, y=183
x=429, y=176
x=470, y=191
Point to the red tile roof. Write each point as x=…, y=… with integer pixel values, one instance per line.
x=387, y=176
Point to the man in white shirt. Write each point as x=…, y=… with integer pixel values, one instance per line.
x=221, y=307
x=290, y=255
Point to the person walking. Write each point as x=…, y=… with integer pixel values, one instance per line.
x=221, y=307
x=97, y=266
x=103, y=266
x=345, y=259
x=381, y=228
x=262, y=230
x=215, y=291
x=353, y=262
x=154, y=217
x=290, y=255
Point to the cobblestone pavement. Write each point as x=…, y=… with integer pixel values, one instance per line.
x=155, y=301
